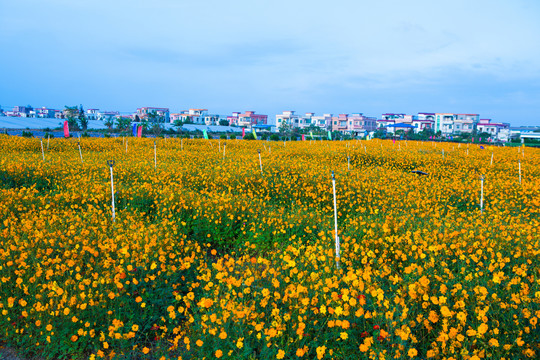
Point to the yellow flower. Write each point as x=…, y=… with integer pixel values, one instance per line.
x=199, y=343
x=135, y=327
x=219, y=353
x=320, y=351
x=344, y=335
x=223, y=335
x=412, y=352
x=145, y=350
x=280, y=354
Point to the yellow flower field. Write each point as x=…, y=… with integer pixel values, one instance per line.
x=209, y=258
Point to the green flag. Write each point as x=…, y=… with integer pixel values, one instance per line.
x=311, y=134
x=254, y=133
x=205, y=134
x=329, y=135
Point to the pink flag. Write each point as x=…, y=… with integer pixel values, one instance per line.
x=243, y=132
x=139, y=131
x=66, y=129
x=303, y=137
x=394, y=141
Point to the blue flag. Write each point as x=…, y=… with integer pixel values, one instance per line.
x=134, y=130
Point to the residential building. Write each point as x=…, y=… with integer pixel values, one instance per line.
x=424, y=121
x=146, y=113
x=340, y=123
x=249, y=118
x=492, y=128
x=92, y=114
x=22, y=111
x=444, y=122
x=466, y=123
x=286, y=118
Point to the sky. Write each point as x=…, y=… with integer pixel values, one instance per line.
x=340, y=56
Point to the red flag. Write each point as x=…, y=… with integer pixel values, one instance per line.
x=303, y=137
x=393, y=141
x=66, y=129
x=139, y=131
x=243, y=132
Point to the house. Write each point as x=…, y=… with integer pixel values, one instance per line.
x=444, y=122
x=44, y=112
x=466, y=123
x=197, y=116
x=424, y=121
x=492, y=128
x=153, y=113
x=339, y=123
x=249, y=118
x=22, y=111
x=92, y=114
x=286, y=118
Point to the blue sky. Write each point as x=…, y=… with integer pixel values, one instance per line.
x=463, y=56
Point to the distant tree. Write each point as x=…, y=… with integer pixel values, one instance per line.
x=83, y=120
x=249, y=136
x=178, y=125
x=109, y=123
x=137, y=118
x=157, y=129
x=223, y=122
x=73, y=124
x=123, y=123
x=71, y=111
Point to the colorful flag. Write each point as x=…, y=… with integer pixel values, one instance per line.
x=134, y=131
x=311, y=134
x=66, y=129
x=254, y=133
x=243, y=132
x=205, y=134
x=329, y=135
x=393, y=141
x=303, y=137
x=139, y=131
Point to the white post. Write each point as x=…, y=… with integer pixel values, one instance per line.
x=219, y=145
x=48, y=138
x=335, y=219
x=80, y=152
x=491, y=164
x=224, y=145
x=443, y=154
x=260, y=161
x=42, y=152
x=155, y=156
x=126, y=146
x=181, y=143
x=348, y=163
x=520, y=172
x=482, y=194
x=111, y=164
x=467, y=151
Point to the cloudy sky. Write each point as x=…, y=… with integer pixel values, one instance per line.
x=340, y=56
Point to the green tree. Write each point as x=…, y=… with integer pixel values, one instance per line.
x=83, y=120
x=109, y=123
x=223, y=122
x=157, y=129
x=123, y=123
